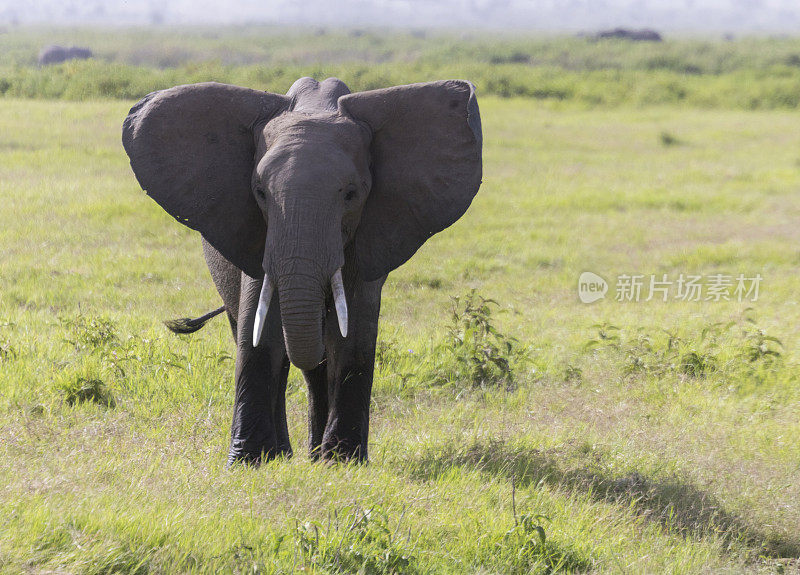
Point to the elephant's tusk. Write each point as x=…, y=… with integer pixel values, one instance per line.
x=261, y=312
x=340, y=301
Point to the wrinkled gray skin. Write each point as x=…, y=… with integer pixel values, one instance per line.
x=293, y=188
x=57, y=54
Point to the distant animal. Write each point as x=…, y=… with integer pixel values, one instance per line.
x=643, y=35
x=56, y=54
x=306, y=201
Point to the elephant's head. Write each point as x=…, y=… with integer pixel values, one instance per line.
x=282, y=185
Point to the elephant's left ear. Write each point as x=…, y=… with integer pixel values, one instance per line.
x=426, y=167
x=192, y=149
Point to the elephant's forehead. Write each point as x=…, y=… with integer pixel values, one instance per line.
x=325, y=145
x=309, y=95
x=303, y=129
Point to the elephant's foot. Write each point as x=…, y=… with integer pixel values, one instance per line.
x=345, y=443
x=337, y=445
x=347, y=429
x=254, y=453
x=344, y=453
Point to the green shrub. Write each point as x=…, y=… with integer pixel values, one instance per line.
x=89, y=332
x=475, y=352
x=525, y=548
x=82, y=390
x=356, y=541
x=727, y=348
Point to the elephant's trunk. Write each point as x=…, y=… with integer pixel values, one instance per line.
x=302, y=314
x=302, y=258
x=302, y=303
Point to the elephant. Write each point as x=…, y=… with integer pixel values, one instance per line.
x=643, y=35
x=305, y=202
x=56, y=54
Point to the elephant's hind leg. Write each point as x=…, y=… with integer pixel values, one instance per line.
x=227, y=279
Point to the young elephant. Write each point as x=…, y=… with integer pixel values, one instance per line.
x=305, y=202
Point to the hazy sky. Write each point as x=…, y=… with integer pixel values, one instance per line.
x=567, y=15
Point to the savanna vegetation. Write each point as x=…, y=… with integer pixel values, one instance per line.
x=748, y=73
x=514, y=428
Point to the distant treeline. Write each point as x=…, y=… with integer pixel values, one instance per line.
x=749, y=73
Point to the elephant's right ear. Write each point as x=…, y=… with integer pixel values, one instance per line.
x=192, y=149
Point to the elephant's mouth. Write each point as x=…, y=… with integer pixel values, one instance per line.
x=336, y=293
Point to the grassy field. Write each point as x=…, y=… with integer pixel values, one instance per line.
x=629, y=437
x=749, y=73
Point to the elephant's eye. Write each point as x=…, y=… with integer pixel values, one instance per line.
x=261, y=193
x=350, y=193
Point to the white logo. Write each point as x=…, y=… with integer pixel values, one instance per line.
x=591, y=287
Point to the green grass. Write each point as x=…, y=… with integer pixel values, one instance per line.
x=748, y=73
x=671, y=444
x=167, y=47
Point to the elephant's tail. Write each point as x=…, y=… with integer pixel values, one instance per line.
x=189, y=325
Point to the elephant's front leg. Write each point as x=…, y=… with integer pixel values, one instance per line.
x=317, y=381
x=350, y=367
x=259, y=428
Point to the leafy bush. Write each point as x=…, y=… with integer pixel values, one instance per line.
x=722, y=347
x=90, y=332
x=757, y=346
x=356, y=541
x=82, y=379
x=525, y=548
x=82, y=390
x=475, y=351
